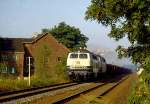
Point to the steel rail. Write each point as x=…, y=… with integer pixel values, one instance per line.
x=30, y=89
x=75, y=95
x=29, y=92
x=112, y=87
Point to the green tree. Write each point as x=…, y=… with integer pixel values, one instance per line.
x=70, y=36
x=126, y=18
x=130, y=18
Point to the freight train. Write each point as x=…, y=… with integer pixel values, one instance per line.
x=114, y=70
x=84, y=65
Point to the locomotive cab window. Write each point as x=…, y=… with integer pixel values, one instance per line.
x=94, y=57
x=103, y=60
x=74, y=56
x=83, y=56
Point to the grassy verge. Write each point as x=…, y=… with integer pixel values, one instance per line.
x=15, y=84
x=57, y=75
x=141, y=91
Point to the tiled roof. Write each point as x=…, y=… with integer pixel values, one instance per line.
x=13, y=44
x=16, y=44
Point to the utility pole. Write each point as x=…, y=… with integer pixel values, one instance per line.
x=29, y=73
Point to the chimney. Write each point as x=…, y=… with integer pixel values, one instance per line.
x=34, y=34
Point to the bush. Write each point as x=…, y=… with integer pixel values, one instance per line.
x=61, y=69
x=13, y=84
x=141, y=91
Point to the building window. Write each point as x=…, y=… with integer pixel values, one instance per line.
x=13, y=58
x=46, y=60
x=4, y=58
x=59, y=59
x=13, y=70
x=4, y=69
x=8, y=58
x=9, y=70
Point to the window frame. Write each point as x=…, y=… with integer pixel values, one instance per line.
x=75, y=54
x=84, y=55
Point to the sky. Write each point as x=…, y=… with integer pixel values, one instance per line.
x=21, y=18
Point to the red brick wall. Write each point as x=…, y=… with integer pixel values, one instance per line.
x=57, y=49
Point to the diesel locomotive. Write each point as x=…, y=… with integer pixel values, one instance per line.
x=83, y=65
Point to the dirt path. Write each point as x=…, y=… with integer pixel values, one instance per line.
x=119, y=95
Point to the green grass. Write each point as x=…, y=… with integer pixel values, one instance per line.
x=141, y=91
x=15, y=84
x=50, y=77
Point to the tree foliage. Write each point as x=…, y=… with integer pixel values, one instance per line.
x=130, y=18
x=42, y=54
x=70, y=36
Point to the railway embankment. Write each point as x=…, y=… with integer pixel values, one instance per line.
x=109, y=91
x=121, y=93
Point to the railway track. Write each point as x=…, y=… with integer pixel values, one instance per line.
x=70, y=98
x=68, y=92
x=12, y=95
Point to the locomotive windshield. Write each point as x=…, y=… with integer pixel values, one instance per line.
x=74, y=55
x=83, y=56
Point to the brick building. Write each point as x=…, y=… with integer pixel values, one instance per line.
x=14, y=53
